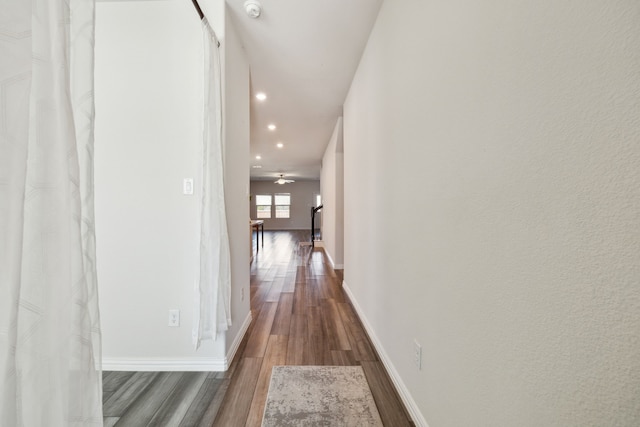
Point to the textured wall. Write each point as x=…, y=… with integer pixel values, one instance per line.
x=149, y=83
x=332, y=187
x=236, y=78
x=493, y=148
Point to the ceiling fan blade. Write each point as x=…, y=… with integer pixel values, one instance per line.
x=281, y=180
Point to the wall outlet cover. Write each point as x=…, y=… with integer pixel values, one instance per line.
x=174, y=317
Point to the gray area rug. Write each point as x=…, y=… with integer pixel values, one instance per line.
x=319, y=396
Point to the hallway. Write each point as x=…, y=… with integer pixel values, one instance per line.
x=300, y=317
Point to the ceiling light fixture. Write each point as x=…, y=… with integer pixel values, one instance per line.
x=261, y=96
x=272, y=127
x=252, y=8
x=279, y=145
x=258, y=157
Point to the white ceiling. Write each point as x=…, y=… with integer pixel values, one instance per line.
x=302, y=54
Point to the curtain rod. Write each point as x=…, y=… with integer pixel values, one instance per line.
x=200, y=13
x=197, y=6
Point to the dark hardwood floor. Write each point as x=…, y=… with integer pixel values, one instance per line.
x=301, y=316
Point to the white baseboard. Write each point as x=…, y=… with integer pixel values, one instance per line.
x=193, y=365
x=333, y=264
x=406, y=397
x=236, y=343
x=161, y=365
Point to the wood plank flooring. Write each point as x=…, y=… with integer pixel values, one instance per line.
x=184, y=399
x=300, y=317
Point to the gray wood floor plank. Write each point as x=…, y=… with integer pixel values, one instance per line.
x=110, y=421
x=149, y=402
x=114, y=379
x=201, y=402
x=120, y=401
x=106, y=395
x=177, y=404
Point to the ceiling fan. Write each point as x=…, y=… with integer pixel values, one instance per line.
x=281, y=180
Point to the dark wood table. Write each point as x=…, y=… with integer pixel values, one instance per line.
x=258, y=224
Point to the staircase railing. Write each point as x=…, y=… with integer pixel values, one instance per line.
x=313, y=224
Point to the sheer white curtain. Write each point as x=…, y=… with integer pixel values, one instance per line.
x=214, y=286
x=49, y=326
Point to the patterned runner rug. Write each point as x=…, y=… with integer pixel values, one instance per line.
x=319, y=396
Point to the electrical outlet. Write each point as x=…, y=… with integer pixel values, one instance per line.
x=174, y=317
x=417, y=354
x=242, y=295
x=187, y=186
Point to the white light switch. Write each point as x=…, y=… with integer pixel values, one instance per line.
x=187, y=186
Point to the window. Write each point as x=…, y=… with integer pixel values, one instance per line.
x=283, y=203
x=263, y=206
x=318, y=200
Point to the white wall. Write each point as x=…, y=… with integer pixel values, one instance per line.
x=236, y=127
x=303, y=197
x=492, y=208
x=332, y=187
x=149, y=97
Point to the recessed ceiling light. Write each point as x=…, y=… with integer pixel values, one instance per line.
x=279, y=145
x=272, y=127
x=261, y=96
x=258, y=157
